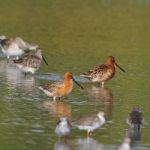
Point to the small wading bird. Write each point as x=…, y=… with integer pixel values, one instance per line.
x=135, y=118
x=15, y=47
x=60, y=88
x=103, y=72
x=90, y=123
x=30, y=63
x=63, y=127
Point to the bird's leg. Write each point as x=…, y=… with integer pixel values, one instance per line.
x=102, y=84
x=8, y=59
x=89, y=133
x=54, y=98
x=25, y=74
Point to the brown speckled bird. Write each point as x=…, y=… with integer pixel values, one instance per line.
x=103, y=72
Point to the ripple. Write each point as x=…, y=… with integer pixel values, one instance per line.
x=55, y=77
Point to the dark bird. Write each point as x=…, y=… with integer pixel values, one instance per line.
x=135, y=118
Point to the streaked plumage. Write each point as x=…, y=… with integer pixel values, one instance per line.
x=90, y=123
x=30, y=63
x=15, y=47
x=135, y=118
x=59, y=88
x=63, y=127
x=103, y=72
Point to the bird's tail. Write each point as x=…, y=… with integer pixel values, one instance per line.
x=45, y=91
x=86, y=75
x=137, y=127
x=17, y=61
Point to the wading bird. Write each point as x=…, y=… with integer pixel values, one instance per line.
x=60, y=88
x=103, y=72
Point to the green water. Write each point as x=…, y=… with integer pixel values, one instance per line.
x=75, y=35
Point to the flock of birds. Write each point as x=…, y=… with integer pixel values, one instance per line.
x=28, y=58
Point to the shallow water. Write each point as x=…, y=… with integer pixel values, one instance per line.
x=76, y=35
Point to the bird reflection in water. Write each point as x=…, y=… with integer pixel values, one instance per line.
x=89, y=144
x=57, y=108
x=14, y=78
x=62, y=145
x=134, y=135
x=125, y=145
x=105, y=96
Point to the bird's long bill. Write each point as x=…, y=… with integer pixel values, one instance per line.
x=78, y=83
x=120, y=67
x=44, y=60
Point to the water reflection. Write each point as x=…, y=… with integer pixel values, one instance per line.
x=126, y=144
x=57, y=108
x=62, y=145
x=14, y=77
x=103, y=95
x=89, y=144
x=16, y=83
x=134, y=135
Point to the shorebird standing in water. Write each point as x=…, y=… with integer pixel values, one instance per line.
x=90, y=123
x=103, y=72
x=135, y=118
x=60, y=88
x=30, y=63
x=15, y=47
x=63, y=127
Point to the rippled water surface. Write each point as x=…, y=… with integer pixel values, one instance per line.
x=75, y=36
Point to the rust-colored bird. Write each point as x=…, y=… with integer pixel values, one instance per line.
x=60, y=88
x=103, y=72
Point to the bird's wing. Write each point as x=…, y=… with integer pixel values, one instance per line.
x=51, y=87
x=94, y=71
x=88, y=120
x=20, y=42
x=29, y=61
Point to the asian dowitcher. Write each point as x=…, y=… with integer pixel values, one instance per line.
x=103, y=72
x=30, y=63
x=15, y=47
x=60, y=88
x=90, y=123
x=135, y=118
x=63, y=127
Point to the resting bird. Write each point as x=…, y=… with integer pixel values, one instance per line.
x=30, y=63
x=15, y=47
